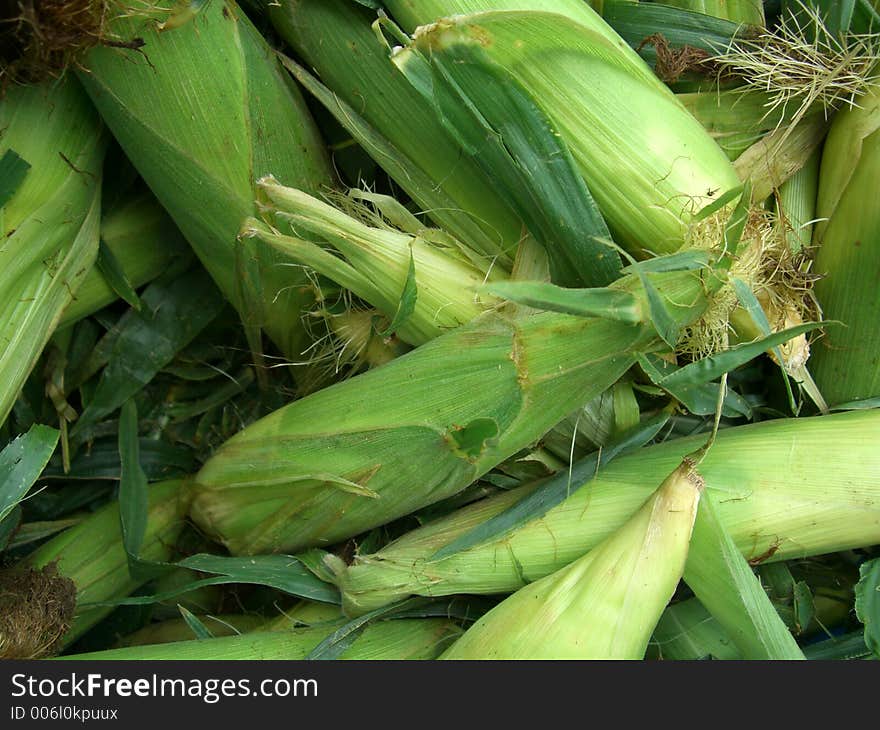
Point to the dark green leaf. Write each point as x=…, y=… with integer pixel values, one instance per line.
x=714, y=366
x=736, y=224
x=850, y=646
x=198, y=628
x=606, y=303
x=281, y=572
x=804, y=607
x=173, y=313
x=858, y=405
x=753, y=308
x=133, y=494
x=635, y=21
x=114, y=275
x=13, y=170
x=719, y=203
x=662, y=319
x=33, y=531
x=868, y=603
x=553, y=491
x=21, y=462
x=701, y=399
x=340, y=640
x=8, y=527
x=159, y=460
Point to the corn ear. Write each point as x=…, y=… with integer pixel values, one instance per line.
x=846, y=362
x=606, y=604
x=338, y=462
x=92, y=554
x=49, y=217
x=783, y=489
x=394, y=639
x=203, y=110
x=424, y=285
x=568, y=68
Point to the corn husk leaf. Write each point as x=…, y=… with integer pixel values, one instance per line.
x=49, y=220
x=720, y=577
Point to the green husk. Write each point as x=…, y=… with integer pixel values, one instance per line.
x=369, y=96
x=203, y=110
x=783, y=489
x=845, y=361
x=340, y=461
x=606, y=604
x=769, y=162
x=49, y=217
x=424, y=283
x=143, y=240
x=397, y=639
x=569, y=68
x=92, y=554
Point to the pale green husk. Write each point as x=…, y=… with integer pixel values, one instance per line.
x=203, y=111
x=49, y=227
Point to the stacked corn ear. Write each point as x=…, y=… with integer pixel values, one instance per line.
x=203, y=110
x=142, y=241
x=398, y=639
x=93, y=556
x=605, y=604
x=334, y=38
x=846, y=361
x=783, y=489
x=576, y=69
x=377, y=263
x=341, y=461
x=51, y=151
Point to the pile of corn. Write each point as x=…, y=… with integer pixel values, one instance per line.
x=457, y=329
